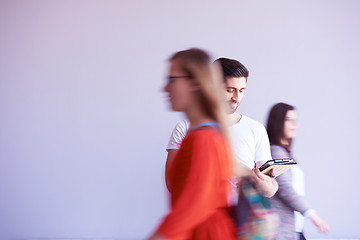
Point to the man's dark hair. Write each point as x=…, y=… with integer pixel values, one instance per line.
x=232, y=68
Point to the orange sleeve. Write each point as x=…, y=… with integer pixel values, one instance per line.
x=198, y=198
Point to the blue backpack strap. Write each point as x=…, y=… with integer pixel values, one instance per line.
x=207, y=124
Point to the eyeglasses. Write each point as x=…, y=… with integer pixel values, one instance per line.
x=171, y=79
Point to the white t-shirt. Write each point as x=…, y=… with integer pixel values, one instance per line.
x=249, y=140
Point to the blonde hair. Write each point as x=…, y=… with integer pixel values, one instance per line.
x=197, y=64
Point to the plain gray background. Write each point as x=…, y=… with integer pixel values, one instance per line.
x=84, y=124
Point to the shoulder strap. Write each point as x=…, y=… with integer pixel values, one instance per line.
x=207, y=124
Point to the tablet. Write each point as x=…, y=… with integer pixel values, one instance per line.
x=279, y=166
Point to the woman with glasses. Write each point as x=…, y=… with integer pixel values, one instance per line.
x=198, y=176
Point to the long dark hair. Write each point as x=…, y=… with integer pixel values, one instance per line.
x=275, y=124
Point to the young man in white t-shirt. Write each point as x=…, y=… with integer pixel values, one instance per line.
x=249, y=140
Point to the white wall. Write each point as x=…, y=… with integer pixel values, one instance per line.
x=84, y=125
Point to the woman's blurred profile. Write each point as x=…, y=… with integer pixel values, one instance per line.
x=198, y=176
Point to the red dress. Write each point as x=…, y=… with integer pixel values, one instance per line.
x=199, y=185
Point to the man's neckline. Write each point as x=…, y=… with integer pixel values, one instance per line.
x=239, y=118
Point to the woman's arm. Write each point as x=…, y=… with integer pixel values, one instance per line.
x=170, y=158
x=286, y=192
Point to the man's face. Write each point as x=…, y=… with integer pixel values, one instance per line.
x=234, y=92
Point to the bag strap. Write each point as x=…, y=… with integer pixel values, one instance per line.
x=207, y=124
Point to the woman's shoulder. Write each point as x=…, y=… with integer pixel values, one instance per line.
x=205, y=132
x=279, y=152
x=209, y=135
x=277, y=147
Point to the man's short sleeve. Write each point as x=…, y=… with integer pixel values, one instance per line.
x=262, y=148
x=178, y=135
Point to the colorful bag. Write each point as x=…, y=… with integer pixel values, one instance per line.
x=256, y=220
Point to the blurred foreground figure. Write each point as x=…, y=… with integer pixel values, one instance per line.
x=198, y=176
x=250, y=144
x=281, y=127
